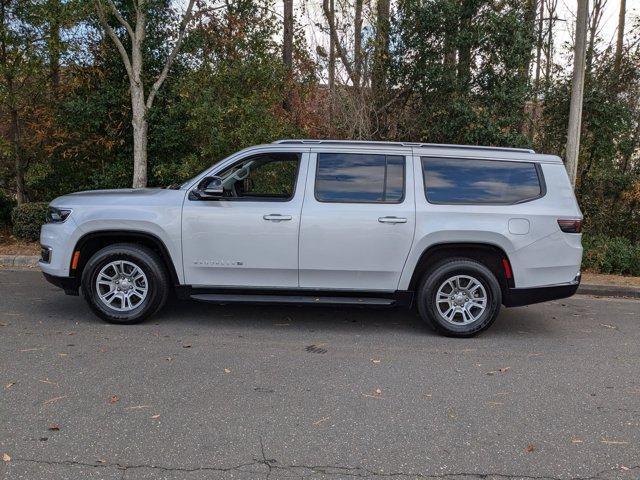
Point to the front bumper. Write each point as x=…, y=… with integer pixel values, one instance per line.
x=518, y=297
x=70, y=285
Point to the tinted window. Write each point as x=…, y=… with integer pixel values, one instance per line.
x=360, y=178
x=449, y=180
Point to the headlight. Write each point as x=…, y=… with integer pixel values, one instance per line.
x=57, y=215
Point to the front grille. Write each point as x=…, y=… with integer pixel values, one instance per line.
x=45, y=254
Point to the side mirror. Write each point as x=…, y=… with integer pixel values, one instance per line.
x=209, y=188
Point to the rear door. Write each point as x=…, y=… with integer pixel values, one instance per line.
x=358, y=219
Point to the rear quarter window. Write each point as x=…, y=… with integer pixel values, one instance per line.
x=471, y=181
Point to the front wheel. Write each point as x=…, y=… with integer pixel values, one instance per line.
x=125, y=283
x=459, y=297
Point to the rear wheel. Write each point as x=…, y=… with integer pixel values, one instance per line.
x=459, y=297
x=125, y=283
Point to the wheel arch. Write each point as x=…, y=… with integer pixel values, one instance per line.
x=92, y=242
x=490, y=255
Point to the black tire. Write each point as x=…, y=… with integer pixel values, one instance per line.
x=148, y=262
x=437, y=276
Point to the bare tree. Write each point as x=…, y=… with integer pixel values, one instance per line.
x=351, y=67
x=620, y=40
x=594, y=25
x=332, y=46
x=577, y=90
x=133, y=63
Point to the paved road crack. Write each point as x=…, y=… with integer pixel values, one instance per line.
x=306, y=471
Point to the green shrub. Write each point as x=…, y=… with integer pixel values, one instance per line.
x=6, y=205
x=27, y=220
x=611, y=255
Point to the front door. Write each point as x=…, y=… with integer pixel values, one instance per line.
x=249, y=237
x=358, y=220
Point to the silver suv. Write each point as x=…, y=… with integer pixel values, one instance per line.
x=457, y=231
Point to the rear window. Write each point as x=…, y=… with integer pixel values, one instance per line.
x=469, y=181
x=360, y=178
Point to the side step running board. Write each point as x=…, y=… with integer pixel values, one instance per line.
x=295, y=299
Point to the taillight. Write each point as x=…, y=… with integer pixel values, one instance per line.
x=570, y=225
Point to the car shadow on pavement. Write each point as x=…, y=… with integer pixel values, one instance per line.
x=514, y=321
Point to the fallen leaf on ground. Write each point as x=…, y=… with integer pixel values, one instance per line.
x=530, y=448
x=114, y=399
x=622, y=467
x=49, y=382
x=155, y=416
x=102, y=460
x=318, y=422
x=62, y=354
x=226, y=370
x=576, y=440
x=54, y=428
x=186, y=345
x=52, y=400
x=613, y=327
x=103, y=350
x=9, y=385
x=6, y=457
x=613, y=442
x=3, y=324
x=32, y=349
x=375, y=360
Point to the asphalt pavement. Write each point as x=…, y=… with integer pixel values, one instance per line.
x=254, y=392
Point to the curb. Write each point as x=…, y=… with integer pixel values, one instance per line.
x=28, y=261
x=31, y=261
x=608, y=290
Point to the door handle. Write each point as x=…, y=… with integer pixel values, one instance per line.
x=276, y=217
x=392, y=220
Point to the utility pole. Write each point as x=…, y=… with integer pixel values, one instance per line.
x=577, y=91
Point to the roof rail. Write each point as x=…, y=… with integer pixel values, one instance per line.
x=401, y=144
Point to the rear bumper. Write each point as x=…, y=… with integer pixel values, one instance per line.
x=70, y=285
x=517, y=297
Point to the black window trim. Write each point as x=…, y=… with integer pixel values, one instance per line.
x=380, y=202
x=214, y=171
x=539, y=172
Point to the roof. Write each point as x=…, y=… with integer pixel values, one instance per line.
x=419, y=145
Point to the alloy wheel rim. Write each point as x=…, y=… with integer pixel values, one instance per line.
x=122, y=285
x=461, y=300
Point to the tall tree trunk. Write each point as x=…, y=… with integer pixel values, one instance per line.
x=357, y=43
x=552, y=6
x=54, y=46
x=530, y=23
x=539, y=46
x=138, y=117
x=21, y=196
x=381, y=50
x=577, y=91
x=468, y=9
x=332, y=48
x=287, y=50
x=620, y=39
x=596, y=16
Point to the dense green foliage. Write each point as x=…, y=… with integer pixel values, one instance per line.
x=27, y=220
x=456, y=71
x=616, y=255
